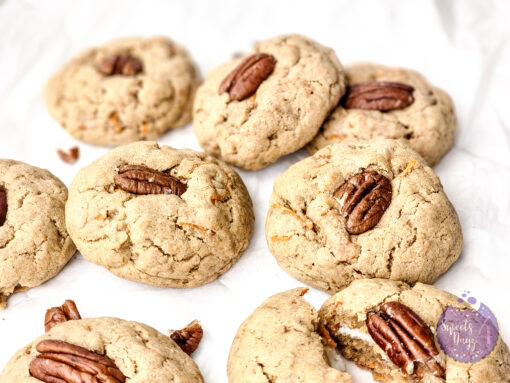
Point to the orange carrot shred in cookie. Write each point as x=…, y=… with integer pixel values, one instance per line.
x=195, y=226
x=334, y=137
x=409, y=167
x=291, y=212
x=325, y=334
x=277, y=238
x=215, y=198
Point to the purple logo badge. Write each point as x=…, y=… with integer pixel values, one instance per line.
x=467, y=335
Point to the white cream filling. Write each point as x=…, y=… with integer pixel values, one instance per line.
x=360, y=335
x=336, y=359
x=356, y=334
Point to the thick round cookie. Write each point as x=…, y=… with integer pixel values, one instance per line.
x=124, y=91
x=182, y=238
x=34, y=243
x=283, y=114
x=344, y=315
x=416, y=239
x=428, y=125
x=141, y=353
x=280, y=342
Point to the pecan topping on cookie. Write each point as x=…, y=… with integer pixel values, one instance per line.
x=405, y=337
x=363, y=199
x=245, y=79
x=189, y=337
x=3, y=205
x=62, y=362
x=68, y=311
x=139, y=179
x=123, y=64
x=378, y=95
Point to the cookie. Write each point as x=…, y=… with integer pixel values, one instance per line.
x=280, y=342
x=269, y=103
x=365, y=308
x=34, y=243
x=421, y=116
x=362, y=209
x=126, y=90
x=160, y=216
x=132, y=352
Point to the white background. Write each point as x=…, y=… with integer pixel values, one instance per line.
x=462, y=46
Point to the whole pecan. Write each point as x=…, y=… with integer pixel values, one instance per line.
x=55, y=315
x=189, y=337
x=124, y=64
x=378, y=95
x=363, y=199
x=3, y=205
x=245, y=79
x=62, y=362
x=405, y=337
x=139, y=179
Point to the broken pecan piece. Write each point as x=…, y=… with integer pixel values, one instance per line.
x=245, y=79
x=405, y=337
x=189, y=337
x=62, y=362
x=378, y=95
x=139, y=179
x=363, y=198
x=3, y=205
x=56, y=315
x=69, y=156
x=123, y=64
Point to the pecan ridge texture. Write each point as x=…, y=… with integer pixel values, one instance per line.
x=139, y=179
x=378, y=95
x=405, y=337
x=189, y=337
x=56, y=315
x=62, y=362
x=363, y=199
x=245, y=79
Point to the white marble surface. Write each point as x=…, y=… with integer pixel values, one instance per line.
x=462, y=46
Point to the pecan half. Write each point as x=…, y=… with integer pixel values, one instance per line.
x=62, y=362
x=3, y=205
x=363, y=199
x=378, y=95
x=245, y=79
x=69, y=156
x=123, y=64
x=189, y=337
x=405, y=337
x=139, y=179
x=56, y=315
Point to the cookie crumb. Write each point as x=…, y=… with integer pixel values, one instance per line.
x=69, y=156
